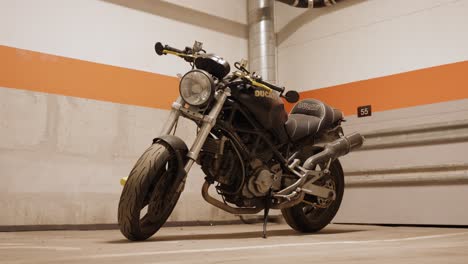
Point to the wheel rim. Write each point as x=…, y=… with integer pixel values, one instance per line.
x=316, y=206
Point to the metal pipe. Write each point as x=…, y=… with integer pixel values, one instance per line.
x=310, y=3
x=262, y=38
x=291, y=203
x=224, y=206
x=455, y=178
x=173, y=117
x=208, y=123
x=334, y=150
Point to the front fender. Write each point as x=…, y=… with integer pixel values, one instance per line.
x=178, y=146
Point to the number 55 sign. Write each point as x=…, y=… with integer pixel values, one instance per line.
x=363, y=111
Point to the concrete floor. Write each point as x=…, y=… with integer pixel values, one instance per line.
x=242, y=244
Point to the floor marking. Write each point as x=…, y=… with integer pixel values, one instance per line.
x=168, y=242
x=40, y=247
x=212, y=250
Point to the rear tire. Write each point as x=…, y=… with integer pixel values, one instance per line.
x=308, y=219
x=153, y=183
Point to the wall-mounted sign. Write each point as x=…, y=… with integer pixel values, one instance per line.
x=363, y=111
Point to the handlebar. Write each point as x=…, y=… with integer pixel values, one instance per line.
x=272, y=86
x=290, y=96
x=258, y=82
x=191, y=54
x=186, y=54
x=162, y=50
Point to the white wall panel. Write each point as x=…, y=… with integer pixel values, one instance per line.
x=106, y=33
x=372, y=39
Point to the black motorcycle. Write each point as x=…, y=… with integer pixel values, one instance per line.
x=256, y=155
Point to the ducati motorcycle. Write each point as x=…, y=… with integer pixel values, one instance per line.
x=256, y=155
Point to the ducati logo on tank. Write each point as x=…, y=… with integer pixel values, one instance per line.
x=261, y=93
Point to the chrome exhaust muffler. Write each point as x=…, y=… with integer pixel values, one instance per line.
x=334, y=150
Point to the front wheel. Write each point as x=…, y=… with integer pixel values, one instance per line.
x=314, y=213
x=150, y=193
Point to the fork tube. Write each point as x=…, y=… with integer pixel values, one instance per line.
x=173, y=117
x=208, y=123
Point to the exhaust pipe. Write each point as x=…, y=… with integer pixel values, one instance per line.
x=309, y=3
x=224, y=206
x=334, y=150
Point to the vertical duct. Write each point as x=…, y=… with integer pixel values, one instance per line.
x=309, y=3
x=262, y=38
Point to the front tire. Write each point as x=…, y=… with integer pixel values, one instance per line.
x=152, y=185
x=308, y=218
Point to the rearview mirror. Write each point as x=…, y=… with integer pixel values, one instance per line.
x=244, y=63
x=292, y=97
x=197, y=47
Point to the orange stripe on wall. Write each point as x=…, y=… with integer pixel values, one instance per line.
x=28, y=70
x=426, y=86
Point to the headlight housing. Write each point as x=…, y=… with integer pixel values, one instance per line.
x=197, y=87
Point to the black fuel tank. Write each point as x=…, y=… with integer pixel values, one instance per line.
x=267, y=108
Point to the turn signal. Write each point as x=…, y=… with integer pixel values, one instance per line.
x=123, y=181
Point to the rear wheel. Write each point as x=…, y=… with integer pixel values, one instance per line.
x=315, y=213
x=150, y=193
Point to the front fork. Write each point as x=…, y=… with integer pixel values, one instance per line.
x=208, y=122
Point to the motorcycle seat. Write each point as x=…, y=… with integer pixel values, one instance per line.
x=310, y=116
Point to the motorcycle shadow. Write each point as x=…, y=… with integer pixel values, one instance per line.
x=239, y=235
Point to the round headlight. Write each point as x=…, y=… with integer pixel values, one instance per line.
x=196, y=87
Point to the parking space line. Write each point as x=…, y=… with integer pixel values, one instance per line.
x=3, y=247
x=213, y=250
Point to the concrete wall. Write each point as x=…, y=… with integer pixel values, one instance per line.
x=61, y=157
x=399, y=181
x=417, y=176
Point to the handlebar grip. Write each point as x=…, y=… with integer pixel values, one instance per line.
x=159, y=48
x=273, y=87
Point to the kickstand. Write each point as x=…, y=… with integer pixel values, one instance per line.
x=265, y=213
